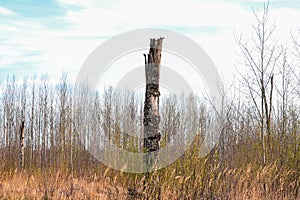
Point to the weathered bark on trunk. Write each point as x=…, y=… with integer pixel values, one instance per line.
x=22, y=126
x=151, y=106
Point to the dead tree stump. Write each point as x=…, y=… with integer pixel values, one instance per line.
x=151, y=105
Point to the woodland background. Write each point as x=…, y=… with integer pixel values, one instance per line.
x=257, y=157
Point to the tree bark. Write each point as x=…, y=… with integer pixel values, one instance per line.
x=151, y=105
x=22, y=126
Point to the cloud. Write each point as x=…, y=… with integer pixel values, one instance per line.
x=86, y=24
x=4, y=11
x=135, y=13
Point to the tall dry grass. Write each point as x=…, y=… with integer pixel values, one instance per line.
x=188, y=178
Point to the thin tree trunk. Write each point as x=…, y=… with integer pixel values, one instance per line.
x=22, y=142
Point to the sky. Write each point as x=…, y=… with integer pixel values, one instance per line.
x=55, y=36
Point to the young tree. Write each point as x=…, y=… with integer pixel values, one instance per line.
x=260, y=57
x=284, y=90
x=297, y=54
x=22, y=123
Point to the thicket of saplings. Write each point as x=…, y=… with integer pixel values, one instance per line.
x=56, y=163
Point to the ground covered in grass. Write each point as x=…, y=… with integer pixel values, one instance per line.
x=205, y=181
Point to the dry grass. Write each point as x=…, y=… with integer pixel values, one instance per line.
x=205, y=183
x=24, y=186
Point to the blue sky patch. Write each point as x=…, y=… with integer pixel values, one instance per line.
x=34, y=8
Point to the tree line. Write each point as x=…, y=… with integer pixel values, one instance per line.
x=47, y=125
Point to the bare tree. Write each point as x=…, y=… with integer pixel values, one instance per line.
x=285, y=90
x=32, y=114
x=297, y=54
x=260, y=57
x=9, y=120
x=62, y=98
x=22, y=123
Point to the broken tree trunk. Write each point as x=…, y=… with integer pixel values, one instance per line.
x=151, y=106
